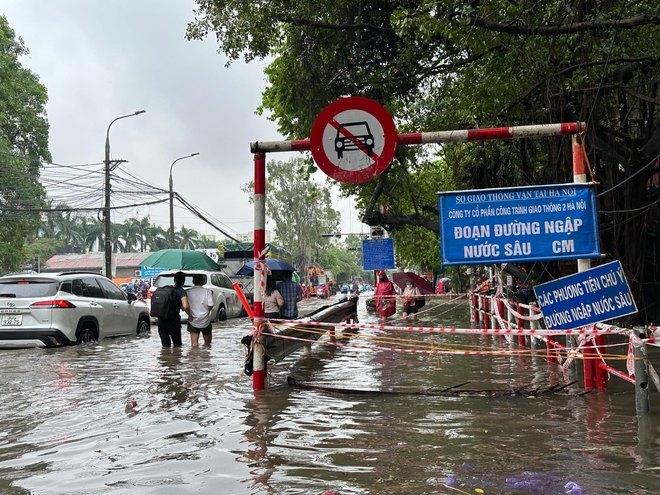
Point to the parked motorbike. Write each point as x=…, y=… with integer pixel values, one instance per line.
x=322, y=291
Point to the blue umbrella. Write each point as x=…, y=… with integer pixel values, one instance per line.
x=275, y=265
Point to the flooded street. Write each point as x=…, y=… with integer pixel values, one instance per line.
x=68, y=426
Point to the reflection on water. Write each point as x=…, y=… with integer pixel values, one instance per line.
x=170, y=384
x=127, y=416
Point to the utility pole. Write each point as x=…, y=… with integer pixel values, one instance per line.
x=106, y=210
x=110, y=165
x=172, y=198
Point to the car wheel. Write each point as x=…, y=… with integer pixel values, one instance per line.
x=144, y=326
x=86, y=336
x=222, y=314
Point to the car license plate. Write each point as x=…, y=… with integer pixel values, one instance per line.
x=11, y=320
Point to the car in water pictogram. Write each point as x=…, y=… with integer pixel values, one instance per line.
x=358, y=137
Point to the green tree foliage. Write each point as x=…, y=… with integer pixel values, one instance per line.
x=67, y=226
x=443, y=65
x=186, y=238
x=342, y=262
x=119, y=243
x=87, y=234
x=92, y=233
x=301, y=209
x=22, y=100
x=43, y=248
x=210, y=243
x=146, y=233
x=131, y=234
x=23, y=145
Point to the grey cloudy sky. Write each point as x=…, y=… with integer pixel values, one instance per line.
x=100, y=59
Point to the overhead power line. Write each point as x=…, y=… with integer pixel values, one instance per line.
x=195, y=212
x=67, y=209
x=80, y=189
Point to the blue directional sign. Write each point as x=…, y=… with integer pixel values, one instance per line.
x=378, y=254
x=592, y=296
x=518, y=224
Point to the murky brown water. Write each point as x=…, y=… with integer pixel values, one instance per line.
x=199, y=428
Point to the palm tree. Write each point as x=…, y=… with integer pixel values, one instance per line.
x=207, y=242
x=83, y=228
x=187, y=238
x=47, y=226
x=95, y=234
x=146, y=232
x=131, y=234
x=67, y=228
x=160, y=239
x=117, y=233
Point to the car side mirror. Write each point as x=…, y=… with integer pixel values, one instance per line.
x=131, y=297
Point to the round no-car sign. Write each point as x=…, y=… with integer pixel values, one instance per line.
x=353, y=139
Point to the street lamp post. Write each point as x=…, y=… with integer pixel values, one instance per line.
x=106, y=212
x=172, y=198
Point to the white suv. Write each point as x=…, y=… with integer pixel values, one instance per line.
x=50, y=310
x=226, y=303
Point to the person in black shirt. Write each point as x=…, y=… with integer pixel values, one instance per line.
x=170, y=329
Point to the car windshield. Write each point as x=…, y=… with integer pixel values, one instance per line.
x=164, y=280
x=28, y=288
x=356, y=129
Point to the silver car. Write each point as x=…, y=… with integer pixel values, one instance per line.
x=50, y=310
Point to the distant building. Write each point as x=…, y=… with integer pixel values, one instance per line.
x=249, y=237
x=124, y=265
x=211, y=253
x=68, y=250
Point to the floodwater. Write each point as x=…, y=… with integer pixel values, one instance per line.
x=68, y=426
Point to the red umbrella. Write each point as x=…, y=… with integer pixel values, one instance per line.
x=401, y=278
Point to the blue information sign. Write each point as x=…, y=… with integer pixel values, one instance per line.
x=378, y=254
x=518, y=224
x=592, y=296
x=148, y=271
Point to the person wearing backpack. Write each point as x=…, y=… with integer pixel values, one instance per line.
x=166, y=305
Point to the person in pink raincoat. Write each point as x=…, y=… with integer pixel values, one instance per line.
x=386, y=306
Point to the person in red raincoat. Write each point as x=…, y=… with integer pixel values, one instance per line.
x=386, y=306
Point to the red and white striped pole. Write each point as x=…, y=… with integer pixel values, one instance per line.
x=521, y=325
x=600, y=372
x=593, y=374
x=258, y=351
x=461, y=136
x=580, y=177
x=589, y=366
x=486, y=308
